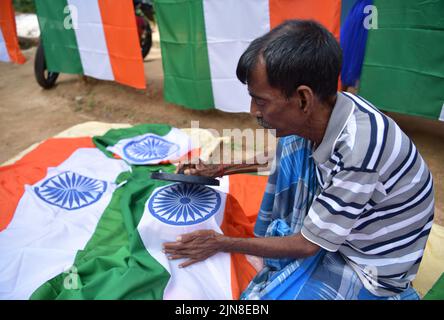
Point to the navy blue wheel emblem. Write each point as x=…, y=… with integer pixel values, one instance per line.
x=149, y=148
x=184, y=204
x=71, y=191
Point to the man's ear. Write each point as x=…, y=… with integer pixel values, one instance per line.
x=306, y=98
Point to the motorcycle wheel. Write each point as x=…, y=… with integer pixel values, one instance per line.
x=146, y=40
x=45, y=78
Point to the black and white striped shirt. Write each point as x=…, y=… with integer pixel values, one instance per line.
x=376, y=199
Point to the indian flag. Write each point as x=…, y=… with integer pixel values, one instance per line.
x=78, y=223
x=162, y=144
x=9, y=48
x=202, y=40
x=97, y=38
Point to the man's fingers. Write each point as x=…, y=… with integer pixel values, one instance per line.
x=176, y=256
x=169, y=250
x=181, y=240
x=173, y=246
x=182, y=167
x=191, y=171
x=188, y=263
x=187, y=237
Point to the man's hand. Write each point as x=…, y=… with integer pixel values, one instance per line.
x=200, y=169
x=195, y=246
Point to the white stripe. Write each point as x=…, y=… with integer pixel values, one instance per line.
x=354, y=186
x=316, y=220
x=398, y=243
x=441, y=116
x=387, y=261
x=410, y=185
x=391, y=228
x=230, y=26
x=396, y=177
x=207, y=280
x=338, y=207
x=395, y=151
x=379, y=133
x=319, y=177
x=352, y=111
x=405, y=205
x=4, y=55
x=326, y=169
x=91, y=39
x=351, y=132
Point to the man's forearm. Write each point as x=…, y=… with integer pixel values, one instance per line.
x=295, y=246
x=242, y=168
x=251, y=165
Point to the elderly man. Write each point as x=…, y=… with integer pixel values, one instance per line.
x=347, y=213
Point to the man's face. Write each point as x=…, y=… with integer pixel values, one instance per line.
x=270, y=106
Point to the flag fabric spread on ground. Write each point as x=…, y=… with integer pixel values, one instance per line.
x=151, y=148
x=403, y=67
x=91, y=226
x=202, y=40
x=9, y=47
x=54, y=219
x=97, y=38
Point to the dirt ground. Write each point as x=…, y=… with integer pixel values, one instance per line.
x=29, y=114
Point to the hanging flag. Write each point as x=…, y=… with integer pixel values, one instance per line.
x=91, y=227
x=97, y=38
x=9, y=47
x=403, y=67
x=353, y=42
x=202, y=41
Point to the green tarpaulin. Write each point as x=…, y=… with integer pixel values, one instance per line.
x=403, y=68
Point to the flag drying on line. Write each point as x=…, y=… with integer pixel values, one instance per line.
x=97, y=38
x=202, y=41
x=403, y=67
x=81, y=224
x=9, y=47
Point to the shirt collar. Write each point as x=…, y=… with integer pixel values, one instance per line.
x=339, y=117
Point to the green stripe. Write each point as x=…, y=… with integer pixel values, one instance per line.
x=187, y=77
x=60, y=44
x=403, y=68
x=115, y=263
x=113, y=136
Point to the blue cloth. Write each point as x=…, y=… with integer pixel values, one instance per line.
x=288, y=197
x=290, y=188
x=353, y=41
x=346, y=6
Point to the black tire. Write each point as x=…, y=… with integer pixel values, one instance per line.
x=44, y=78
x=146, y=40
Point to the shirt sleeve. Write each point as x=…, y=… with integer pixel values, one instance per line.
x=334, y=212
